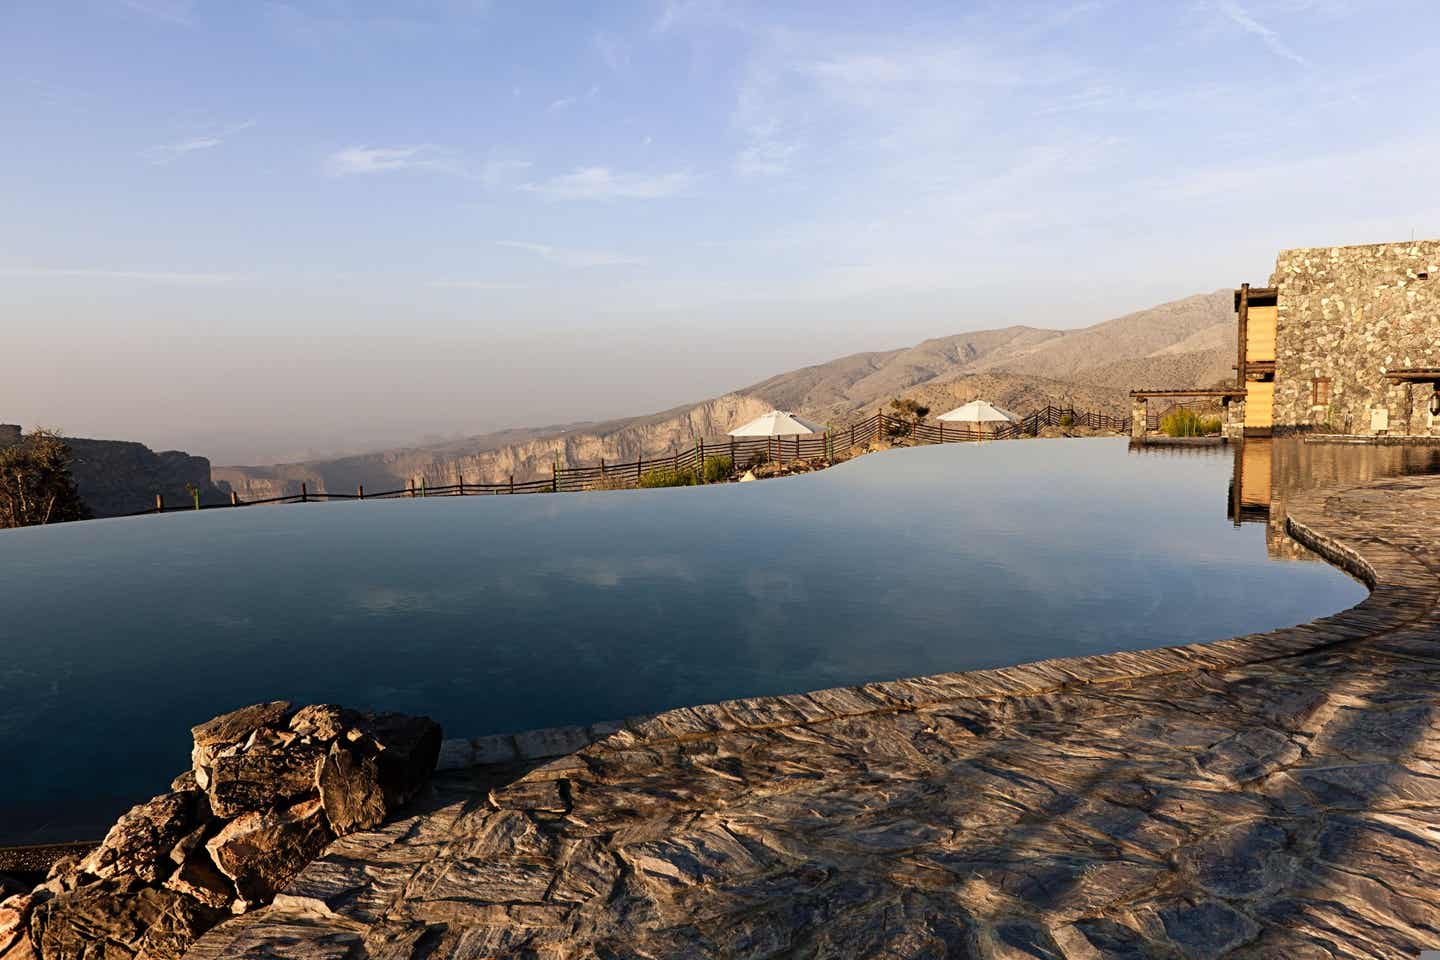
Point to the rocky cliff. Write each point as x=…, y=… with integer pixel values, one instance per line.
x=487, y=462
x=117, y=477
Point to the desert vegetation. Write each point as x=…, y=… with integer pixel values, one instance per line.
x=1183, y=422
x=713, y=470
x=35, y=482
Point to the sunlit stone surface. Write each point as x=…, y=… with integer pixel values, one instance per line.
x=1268, y=796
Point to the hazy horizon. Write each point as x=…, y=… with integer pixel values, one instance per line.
x=270, y=232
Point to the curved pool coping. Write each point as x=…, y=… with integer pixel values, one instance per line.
x=1402, y=592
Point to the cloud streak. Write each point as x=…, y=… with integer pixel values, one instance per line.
x=168, y=152
x=571, y=257
x=1241, y=17
x=601, y=183
x=474, y=285
x=360, y=160
x=143, y=276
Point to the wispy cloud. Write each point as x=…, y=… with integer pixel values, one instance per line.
x=166, y=152
x=143, y=276
x=171, y=11
x=1242, y=18
x=571, y=257
x=601, y=183
x=474, y=285
x=612, y=50
x=565, y=103
x=764, y=158
x=363, y=159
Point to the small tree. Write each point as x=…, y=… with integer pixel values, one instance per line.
x=35, y=482
x=908, y=412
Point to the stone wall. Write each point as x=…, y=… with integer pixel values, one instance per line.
x=1233, y=417
x=1351, y=314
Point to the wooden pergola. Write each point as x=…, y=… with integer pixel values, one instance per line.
x=1188, y=394
x=1140, y=399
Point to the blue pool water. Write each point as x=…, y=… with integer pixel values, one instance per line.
x=505, y=613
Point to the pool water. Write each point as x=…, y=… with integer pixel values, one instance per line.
x=497, y=614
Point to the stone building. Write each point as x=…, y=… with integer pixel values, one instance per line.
x=1343, y=340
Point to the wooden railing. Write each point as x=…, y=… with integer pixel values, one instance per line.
x=741, y=451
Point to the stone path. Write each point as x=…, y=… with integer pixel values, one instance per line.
x=1275, y=796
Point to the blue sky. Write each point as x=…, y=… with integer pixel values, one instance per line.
x=265, y=229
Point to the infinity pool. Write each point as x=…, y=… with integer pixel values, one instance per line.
x=506, y=613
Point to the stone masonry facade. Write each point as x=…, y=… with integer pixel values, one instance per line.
x=1352, y=314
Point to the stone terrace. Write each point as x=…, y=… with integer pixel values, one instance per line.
x=1274, y=795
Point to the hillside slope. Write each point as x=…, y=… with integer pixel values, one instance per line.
x=1185, y=343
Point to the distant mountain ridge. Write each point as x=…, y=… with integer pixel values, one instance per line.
x=1185, y=343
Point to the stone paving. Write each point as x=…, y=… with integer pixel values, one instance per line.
x=1275, y=795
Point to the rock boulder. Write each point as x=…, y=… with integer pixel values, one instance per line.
x=270, y=786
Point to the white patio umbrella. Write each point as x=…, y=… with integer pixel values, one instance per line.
x=777, y=423
x=979, y=412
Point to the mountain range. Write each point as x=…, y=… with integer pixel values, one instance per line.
x=1184, y=343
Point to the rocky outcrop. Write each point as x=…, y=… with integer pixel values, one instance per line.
x=269, y=787
x=118, y=477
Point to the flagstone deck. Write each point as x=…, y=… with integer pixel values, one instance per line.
x=1275, y=795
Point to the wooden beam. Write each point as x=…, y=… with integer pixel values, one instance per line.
x=1149, y=394
x=1242, y=311
x=1414, y=375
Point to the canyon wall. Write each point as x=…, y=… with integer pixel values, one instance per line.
x=524, y=460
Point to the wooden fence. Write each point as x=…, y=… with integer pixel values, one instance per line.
x=741, y=451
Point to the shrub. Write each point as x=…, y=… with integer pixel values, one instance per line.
x=35, y=482
x=1187, y=423
x=907, y=414
x=1067, y=421
x=667, y=477
x=717, y=469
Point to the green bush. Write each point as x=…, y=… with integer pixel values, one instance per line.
x=1187, y=423
x=667, y=477
x=717, y=469
x=1067, y=421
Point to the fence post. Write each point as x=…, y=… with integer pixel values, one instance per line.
x=512, y=483
x=602, y=471
x=234, y=499
x=555, y=476
x=410, y=487
x=304, y=494
x=361, y=491
x=159, y=503
x=852, y=436
x=637, y=470
x=423, y=491
x=462, y=484
x=700, y=467
x=733, y=464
